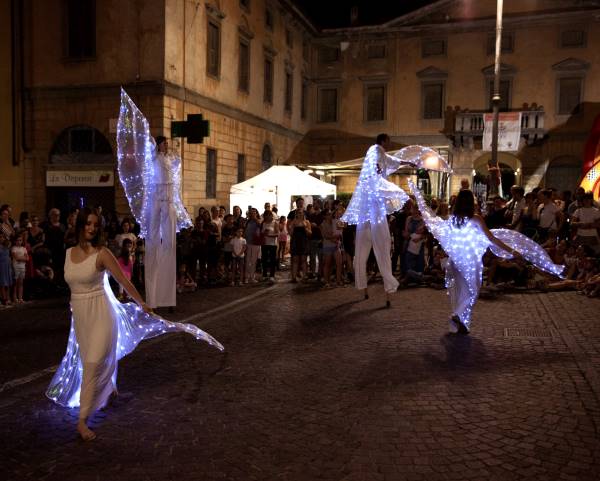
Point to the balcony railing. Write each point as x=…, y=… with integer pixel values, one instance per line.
x=469, y=125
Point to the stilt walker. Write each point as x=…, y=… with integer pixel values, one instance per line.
x=151, y=176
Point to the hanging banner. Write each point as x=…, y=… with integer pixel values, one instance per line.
x=509, y=131
x=80, y=178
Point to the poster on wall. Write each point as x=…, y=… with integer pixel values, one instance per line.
x=509, y=131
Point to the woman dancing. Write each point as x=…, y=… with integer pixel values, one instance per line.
x=102, y=329
x=465, y=238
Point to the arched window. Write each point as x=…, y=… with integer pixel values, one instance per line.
x=267, y=157
x=81, y=144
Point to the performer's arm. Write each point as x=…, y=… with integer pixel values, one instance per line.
x=497, y=242
x=108, y=262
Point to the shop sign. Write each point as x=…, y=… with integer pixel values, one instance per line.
x=80, y=178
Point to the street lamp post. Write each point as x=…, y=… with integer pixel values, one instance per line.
x=494, y=169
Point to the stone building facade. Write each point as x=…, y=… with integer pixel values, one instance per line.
x=277, y=90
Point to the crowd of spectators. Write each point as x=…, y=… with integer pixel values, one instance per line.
x=311, y=244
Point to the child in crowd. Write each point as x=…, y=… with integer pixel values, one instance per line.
x=238, y=248
x=19, y=256
x=125, y=260
x=227, y=234
x=185, y=283
x=282, y=240
x=5, y=270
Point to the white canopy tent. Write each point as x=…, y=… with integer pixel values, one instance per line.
x=277, y=185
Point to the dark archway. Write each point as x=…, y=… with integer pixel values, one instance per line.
x=81, y=144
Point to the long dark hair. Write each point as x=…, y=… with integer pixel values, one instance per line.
x=125, y=254
x=464, y=207
x=80, y=223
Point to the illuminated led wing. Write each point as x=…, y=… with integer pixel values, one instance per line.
x=529, y=249
x=183, y=218
x=438, y=227
x=134, y=154
x=374, y=196
x=134, y=325
x=420, y=157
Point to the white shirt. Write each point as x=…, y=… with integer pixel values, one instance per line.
x=237, y=244
x=517, y=209
x=163, y=171
x=547, y=215
x=587, y=215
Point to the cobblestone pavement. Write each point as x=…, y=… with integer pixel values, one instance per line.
x=321, y=385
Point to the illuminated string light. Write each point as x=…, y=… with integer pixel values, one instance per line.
x=134, y=325
x=465, y=246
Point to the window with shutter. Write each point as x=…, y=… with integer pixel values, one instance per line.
x=329, y=55
x=244, y=67
x=289, y=91
x=376, y=51
x=433, y=47
x=433, y=100
x=507, y=43
x=81, y=29
x=211, y=173
x=505, y=87
x=569, y=95
x=304, y=99
x=268, y=91
x=328, y=98
x=241, y=168
x=375, y=103
x=572, y=38
x=213, y=55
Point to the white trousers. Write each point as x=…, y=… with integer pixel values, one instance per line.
x=252, y=256
x=377, y=236
x=160, y=258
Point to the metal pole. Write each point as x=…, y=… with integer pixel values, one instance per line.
x=494, y=172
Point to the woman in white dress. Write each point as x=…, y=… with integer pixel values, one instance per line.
x=465, y=238
x=102, y=329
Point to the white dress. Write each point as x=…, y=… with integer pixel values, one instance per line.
x=102, y=331
x=465, y=245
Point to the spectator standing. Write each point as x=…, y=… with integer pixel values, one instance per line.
x=35, y=236
x=331, y=249
x=586, y=220
x=5, y=271
x=315, y=252
x=549, y=215
x=126, y=233
x=227, y=234
x=70, y=238
x=6, y=225
x=238, y=251
x=253, y=243
x=270, y=232
x=55, y=242
x=514, y=207
x=282, y=239
x=299, y=206
x=300, y=230
x=18, y=253
x=125, y=261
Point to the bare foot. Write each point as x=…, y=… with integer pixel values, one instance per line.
x=86, y=433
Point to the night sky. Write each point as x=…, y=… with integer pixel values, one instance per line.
x=336, y=13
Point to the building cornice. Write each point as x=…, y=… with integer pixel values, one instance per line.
x=159, y=87
x=510, y=21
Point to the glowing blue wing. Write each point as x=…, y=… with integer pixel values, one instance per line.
x=529, y=249
x=420, y=157
x=183, y=218
x=134, y=154
x=134, y=325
